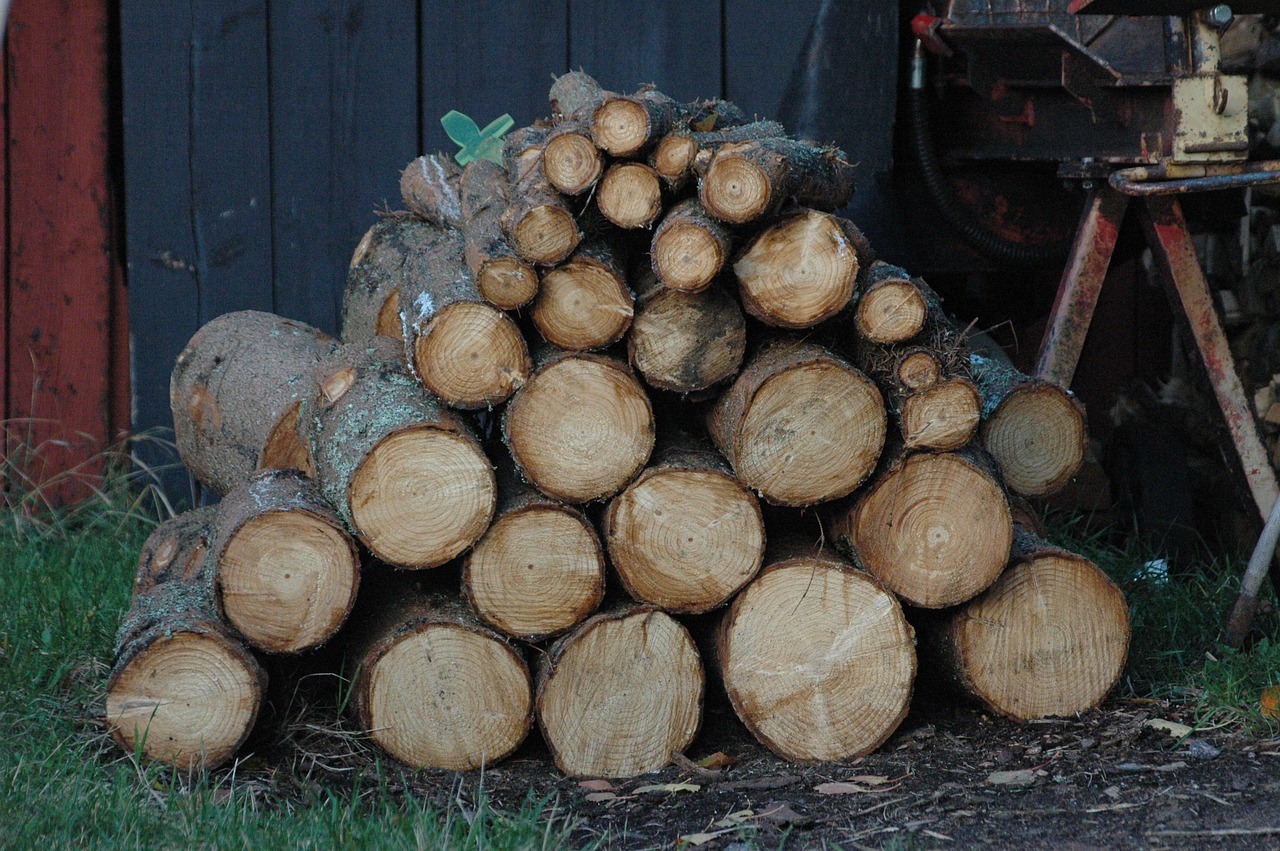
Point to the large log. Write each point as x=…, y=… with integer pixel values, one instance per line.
x=934, y=528
x=817, y=658
x=685, y=342
x=686, y=535
x=235, y=392
x=689, y=247
x=800, y=425
x=184, y=689
x=538, y=222
x=503, y=279
x=630, y=195
x=747, y=181
x=620, y=694
x=404, y=472
x=585, y=303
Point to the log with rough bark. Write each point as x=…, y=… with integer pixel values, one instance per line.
x=235, y=392
x=686, y=535
x=585, y=303
x=799, y=271
x=287, y=572
x=689, y=247
x=817, y=657
x=538, y=221
x=429, y=188
x=621, y=693
x=891, y=306
x=934, y=528
x=1035, y=429
x=434, y=687
x=624, y=125
x=800, y=425
x=503, y=279
x=539, y=569
x=575, y=95
x=630, y=195
x=370, y=301
x=747, y=181
x=685, y=342
x=1050, y=637
x=581, y=428
x=404, y=472
x=184, y=689
x=676, y=155
x=934, y=410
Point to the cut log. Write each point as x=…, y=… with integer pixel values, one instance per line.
x=626, y=125
x=370, y=303
x=575, y=95
x=435, y=688
x=571, y=161
x=672, y=159
x=675, y=157
x=287, y=571
x=630, y=195
x=581, y=428
x=891, y=306
x=689, y=247
x=503, y=279
x=1035, y=429
x=235, y=392
x=934, y=528
x=932, y=411
x=538, y=222
x=817, y=658
x=686, y=535
x=747, y=181
x=1050, y=637
x=620, y=694
x=685, y=342
x=800, y=425
x=799, y=271
x=404, y=472
x=539, y=569
x=584, y=303
x=429, y=188
x=184, y=689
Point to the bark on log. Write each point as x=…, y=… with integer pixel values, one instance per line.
x=799, y=425
x=585, y=304
x=538, y=222
x=571, y=161
x=749, y=180
x=676, y=155
x=235, y=392
x=429, y=188
x=404, y=472
x=630, y=195
x=1034, y=429
x=817, y=658
x=934, y=528
x=621, y=693
x=891, y=306
x=575, y=95
x=685, y=342
x=370, y=302
x=503, y=279
x=686, y=535
x=689, y=247
x=184, y=689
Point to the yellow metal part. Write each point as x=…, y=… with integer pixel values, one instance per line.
x=1211, y=118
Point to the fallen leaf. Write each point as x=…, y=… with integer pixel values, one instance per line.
x=776, y=781
x=870, y=779
x=783, y=814
x=1269, y=702
x=1173, y=728
x=696, y=839
x=598, y=797
x=597, y=785
x=669, y=787
x=1021, y=777
x=716, y=760
x=1134, y=767
x=840, y=789
x=736, y=819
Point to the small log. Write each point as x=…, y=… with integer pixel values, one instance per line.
x=672, y=159
x=689, y=247
x=538, y=222
x=685, y=342
x=571, y=161
x=676, y=155
x=749, y=180
x=800, y=425
x=799, y=271
x=1049, y=638
x=575, y=95
x=503, y=279
x=686, y=535
x=933, y=411
x=581, y=428
x=370, y=302
x=630, y=195
x=539, y=569
x=1036, y=430
x=184, y=689
x=235, y=392
x=435, y=688
x=584, y=303
x=934, y=528
x=891, y=306
x=405, y=473
x=620, y=694
x=626, y=125
x=429, y=188
x=817, y=658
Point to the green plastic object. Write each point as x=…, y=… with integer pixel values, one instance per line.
x=476, y=144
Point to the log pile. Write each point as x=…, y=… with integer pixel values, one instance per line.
x=650, y=307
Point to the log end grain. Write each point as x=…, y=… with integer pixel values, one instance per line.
x=688, y=256
x=673, y=157
x=472, y=356
x=798, y=272
x=630, y=195
x=918, y=370
x=891, y=312
x=941, y=417
x=686, y=342
x=546, y=234
x=736, y=190
x=1038, y=436
x=285, y=448
x=620, y=126
x=583, y=305
x=572, y=163
x=507, y=283
x=388, y=323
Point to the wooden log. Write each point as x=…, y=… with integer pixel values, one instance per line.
x=689, y=247
x=672, y=159
x=747, y=181
x=435, y=688
x=539, y=569
x=676, y=155
x=817, y=658
x=585, y=303
x=800, y=425
x=287, y=572
x=799, y=271
x=575, y=95
x=429, y=187
x=625, y=125
x=184, y=689
x=235, y=392
x=934, y=528
x=1036, y=430
x=370, y=301
x=538, y=222
x=630, y=195
x=891, y=306
x=934, y=410
x=503, y=279
x=571, y=161
x=581, y=428
x=620, y=694
x=405, y=473
x=1049, y=638
x=686, y=535
x=685, y=342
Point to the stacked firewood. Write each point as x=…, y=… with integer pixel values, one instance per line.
x=565, y=386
